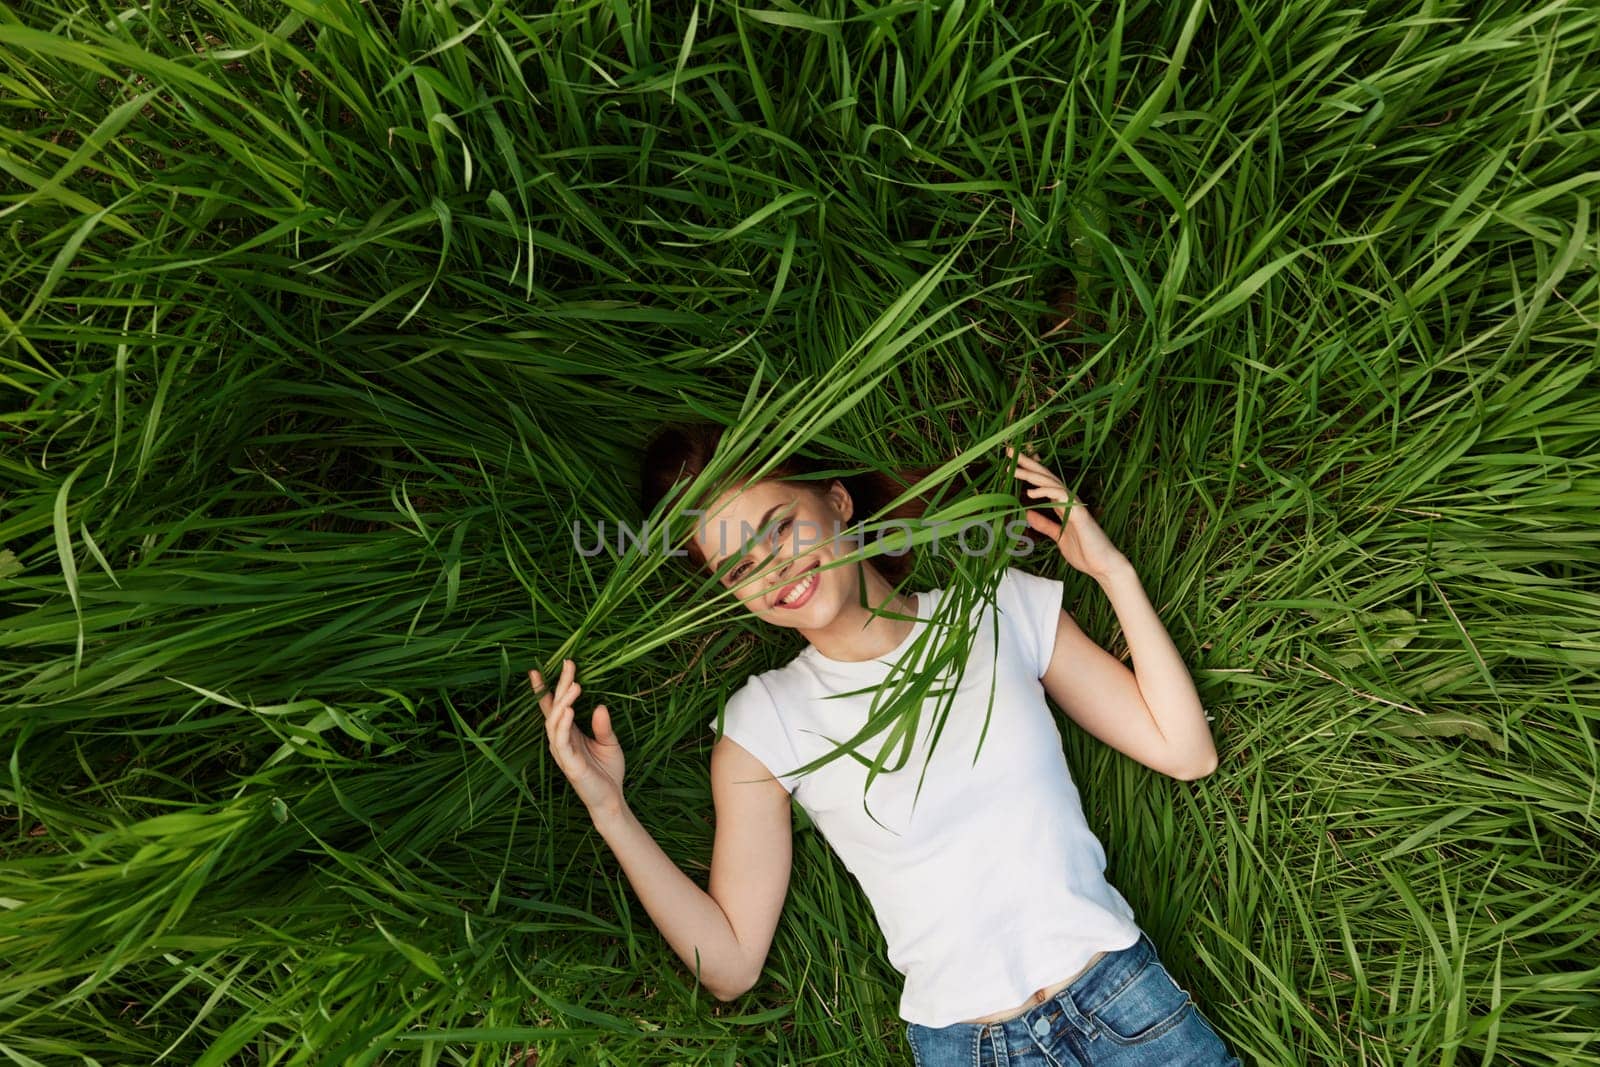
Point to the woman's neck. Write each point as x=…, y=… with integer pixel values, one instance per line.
x=855, y=634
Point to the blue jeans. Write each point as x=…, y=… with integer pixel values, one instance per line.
x=1126, y=1011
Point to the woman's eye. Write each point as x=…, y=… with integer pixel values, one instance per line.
x=779, y=531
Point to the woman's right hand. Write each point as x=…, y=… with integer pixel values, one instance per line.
x=594, y=765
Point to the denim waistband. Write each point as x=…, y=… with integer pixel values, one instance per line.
x=1087, y=993
x=1109, y=974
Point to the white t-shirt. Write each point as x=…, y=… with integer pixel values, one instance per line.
x=993, y=886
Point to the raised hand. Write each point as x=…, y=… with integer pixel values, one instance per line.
x=1082, y=543
x=594, y=765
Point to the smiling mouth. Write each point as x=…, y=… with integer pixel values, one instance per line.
x=798, y=590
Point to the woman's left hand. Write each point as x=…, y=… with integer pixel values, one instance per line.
x=1082, y=543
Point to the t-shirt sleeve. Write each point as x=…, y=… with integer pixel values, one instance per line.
x=1032, y=603
x=752, y=718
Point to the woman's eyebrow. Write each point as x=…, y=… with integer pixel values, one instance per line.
x=761, y=526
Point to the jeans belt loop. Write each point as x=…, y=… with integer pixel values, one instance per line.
x=1069, y=1007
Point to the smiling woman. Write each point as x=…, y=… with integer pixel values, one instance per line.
x=806, y=494
x=1068, y=948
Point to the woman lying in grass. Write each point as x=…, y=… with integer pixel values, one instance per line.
x=991, y=890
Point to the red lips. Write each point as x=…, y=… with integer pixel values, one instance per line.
x=781, y=593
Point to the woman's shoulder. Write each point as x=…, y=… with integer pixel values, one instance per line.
x=757, y=698
x=1027, y=586
x=770, y=685
x=1015, y=587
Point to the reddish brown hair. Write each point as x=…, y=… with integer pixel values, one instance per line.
x=679, y=452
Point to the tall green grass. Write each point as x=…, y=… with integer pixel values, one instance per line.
x=323, y=322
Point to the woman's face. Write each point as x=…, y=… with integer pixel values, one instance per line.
x=781, y=533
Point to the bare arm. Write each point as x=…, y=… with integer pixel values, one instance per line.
x=722, y=935
x=729, y=927
x=1151, y=713
x=691, y=921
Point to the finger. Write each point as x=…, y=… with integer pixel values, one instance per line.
x=543, y=692
x=1036, y=478
x=1042, y=480
x=1033, y=470
x=1054, y=502
x=1039, y=468
x=1045, y=526
x=576, y=740
x=1028, y=474
x=552, y=711
x=1026, y=459
x=568, y=669
x=547, y=690
x=1055, y=492
x=563, y=735
x=561, y=744
x=553, y=727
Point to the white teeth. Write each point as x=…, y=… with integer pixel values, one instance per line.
x=799, y=590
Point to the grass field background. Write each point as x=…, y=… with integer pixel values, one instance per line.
x=323, y=321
